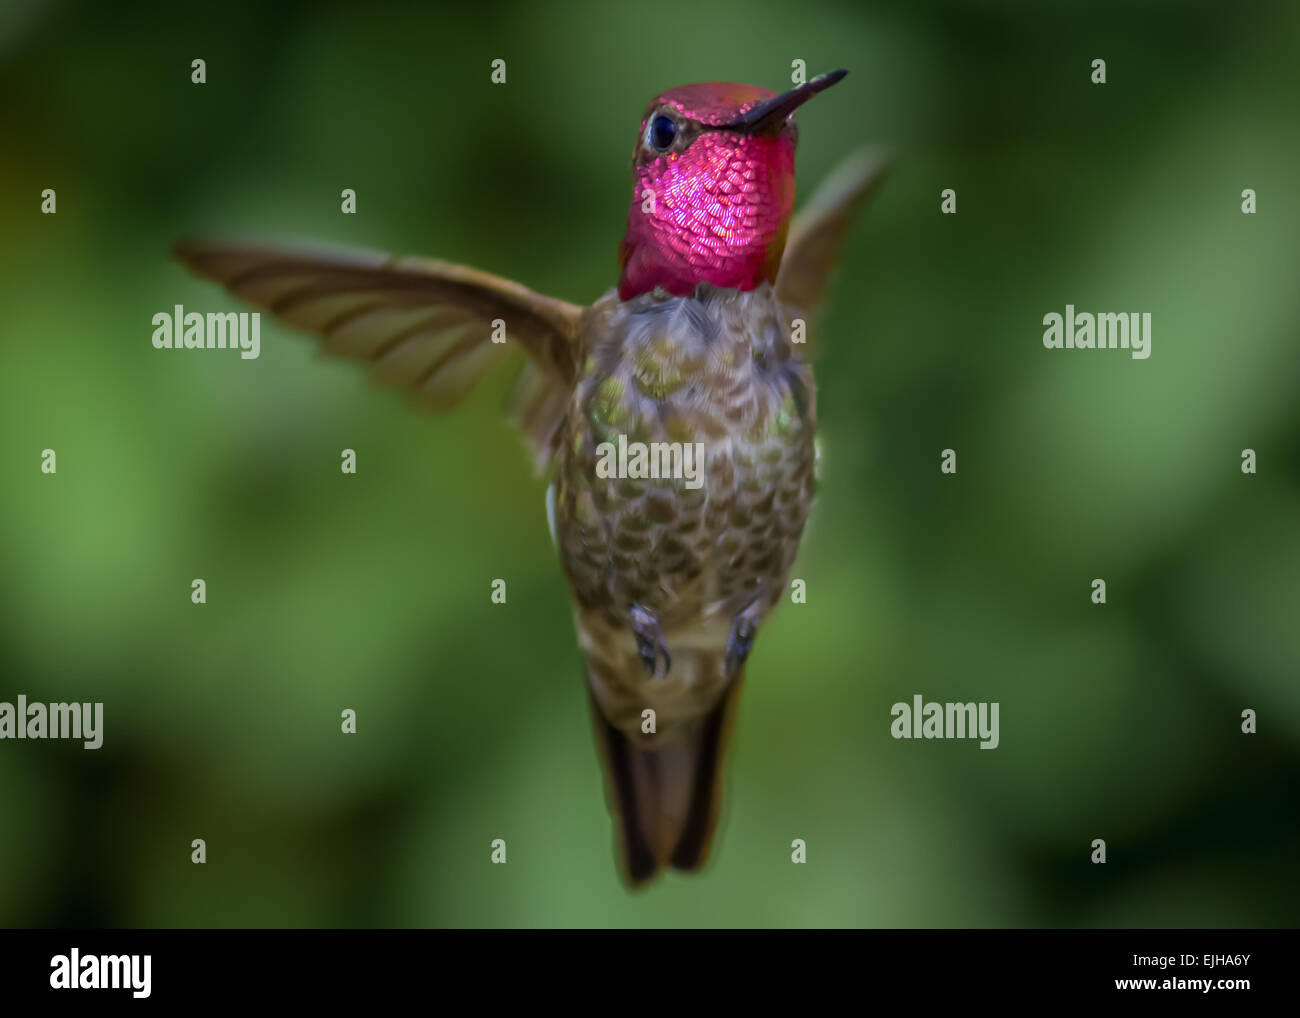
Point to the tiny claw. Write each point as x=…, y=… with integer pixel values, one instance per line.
x=741, y=641
x=649, y=639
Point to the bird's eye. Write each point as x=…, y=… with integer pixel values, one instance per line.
x=663, y=132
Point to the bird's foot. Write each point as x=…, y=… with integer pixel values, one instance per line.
x=744, y=628
x=649, y=639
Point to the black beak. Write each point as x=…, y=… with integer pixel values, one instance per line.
x=771, y=113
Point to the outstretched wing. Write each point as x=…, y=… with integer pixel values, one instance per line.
x=426, y=326
x=818, y=231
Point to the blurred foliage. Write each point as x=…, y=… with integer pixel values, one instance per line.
x=371, y=592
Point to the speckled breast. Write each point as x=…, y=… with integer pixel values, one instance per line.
x=716, y=372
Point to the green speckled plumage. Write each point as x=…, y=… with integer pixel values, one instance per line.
x=718, y=369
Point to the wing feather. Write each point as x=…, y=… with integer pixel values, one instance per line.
x=424, y=325
x=818, y=231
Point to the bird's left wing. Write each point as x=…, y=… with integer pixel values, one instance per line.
x=818, y=231
x=425, y=326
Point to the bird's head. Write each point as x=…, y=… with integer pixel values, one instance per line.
x=714, y=187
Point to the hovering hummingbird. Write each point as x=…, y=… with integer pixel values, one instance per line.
x=699, y=344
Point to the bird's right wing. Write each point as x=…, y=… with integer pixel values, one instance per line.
x=425, y=326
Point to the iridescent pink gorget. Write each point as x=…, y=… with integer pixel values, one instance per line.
x=714, y=208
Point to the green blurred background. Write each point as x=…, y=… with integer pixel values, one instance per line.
x=371, y=592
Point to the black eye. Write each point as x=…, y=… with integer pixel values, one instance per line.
x=663, y=132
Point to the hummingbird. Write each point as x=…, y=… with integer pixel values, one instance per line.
x=699, y=345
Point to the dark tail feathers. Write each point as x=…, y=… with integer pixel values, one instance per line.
x=665, y=800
